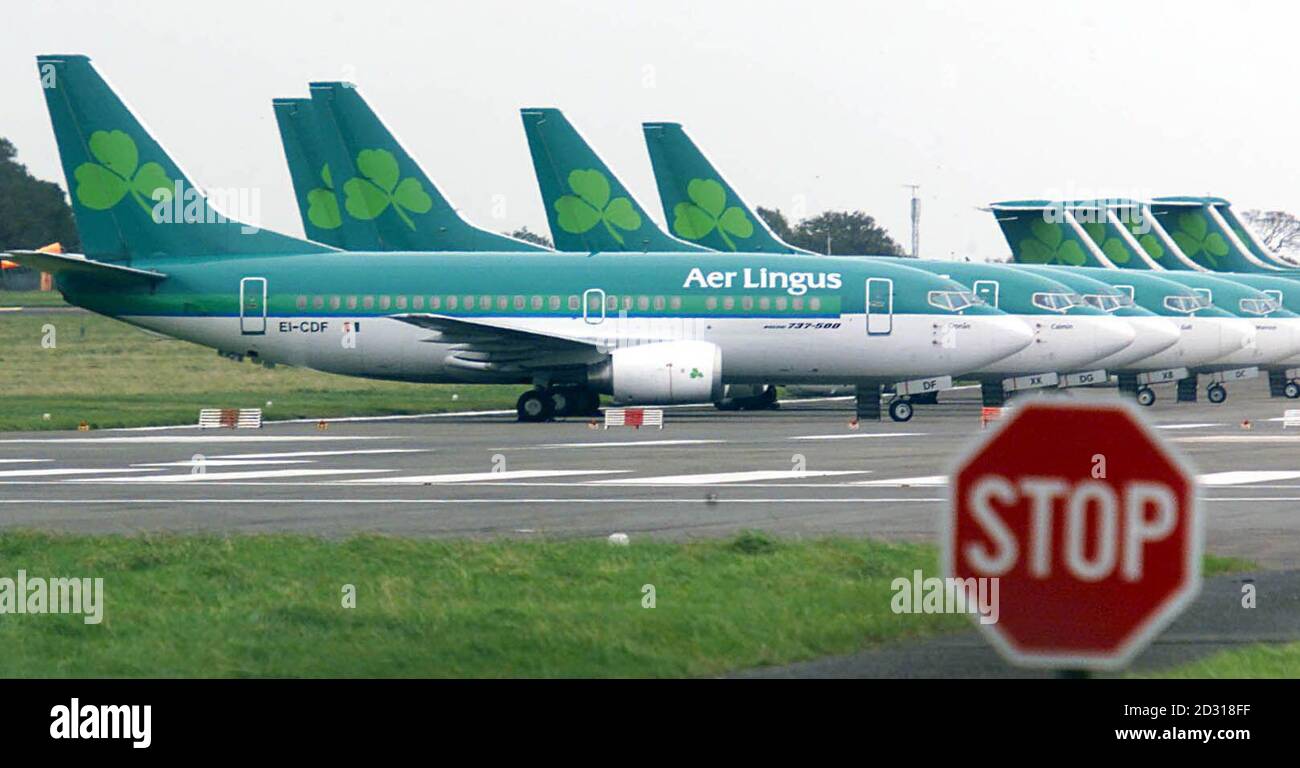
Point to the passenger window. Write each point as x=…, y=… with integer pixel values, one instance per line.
x=452, y=301
x=519, y=302
x=574, y=304
x=747, y=303
x=781, y=302
x=553, y=303
x=764, y=303
x=385, y=302
x=401, y=302
x=502, y=303
x=611, y=302
x=352, y=302
x=335, y=302
x=729, y=303
x=537, y=303
x=711, y=302
x=301, y=302
x=467, y=303
x=675, y=302
x=796, y=304
x=484, y=302
x=417, y=302
x=317, y=302
x=659, y=303
x=814, y=304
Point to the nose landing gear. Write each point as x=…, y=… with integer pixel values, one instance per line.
x=1216, y=393
x=1146, y=396
x=900, y=409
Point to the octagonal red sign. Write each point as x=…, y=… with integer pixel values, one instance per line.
x=1089, y=524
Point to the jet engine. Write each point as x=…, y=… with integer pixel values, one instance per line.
x=661, y=373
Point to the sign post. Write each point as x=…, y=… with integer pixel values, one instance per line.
x=1089, y=523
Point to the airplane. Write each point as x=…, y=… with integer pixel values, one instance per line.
x=158, y=255
x=1068, y=337
x=1129, y=236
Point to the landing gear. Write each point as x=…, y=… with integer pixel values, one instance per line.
x=571, y=400
x=1146, y=397
x=900, y=409
x=1291, y=389
x=536, y=405
x=1216, y=393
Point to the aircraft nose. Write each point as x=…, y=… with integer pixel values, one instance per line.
x=1110, y=335
x=1007, y=336
x=1152, y=336
x=1235, y=336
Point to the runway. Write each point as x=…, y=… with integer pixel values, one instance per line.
x=798, y=471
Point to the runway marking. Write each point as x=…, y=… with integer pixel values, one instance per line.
x=923, y=481
x=210, y=476
x=24, y=461
x=190, y=439
x=305, y=454
x=719, y=478
x=627, y=443
x=1238, y=439
x=1188, y=426
x=859, y=434
x=1246, y=476
x=474, y=501
x=63, y=471
x=206, y=462
x=472, y=477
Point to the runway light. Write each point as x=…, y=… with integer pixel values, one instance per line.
x=618, y=539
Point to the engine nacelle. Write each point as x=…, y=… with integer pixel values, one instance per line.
x=662, y=373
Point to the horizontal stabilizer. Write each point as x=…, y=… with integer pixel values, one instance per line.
x=62, y=263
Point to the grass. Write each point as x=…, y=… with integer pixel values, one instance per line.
x=1255, y=661
x=110, y=374
x=32, y=299
x=271, y=605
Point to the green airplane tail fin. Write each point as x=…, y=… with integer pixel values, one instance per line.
x=1200, y=231
x=130, y=199
x=380, y=184
x=698, y=203
x=588, y=208
x=309, y=170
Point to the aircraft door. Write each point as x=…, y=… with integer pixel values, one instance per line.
x=252, y=306
x=988, y=291
x=880, y=306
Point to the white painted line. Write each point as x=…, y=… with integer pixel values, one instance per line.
x=626, y=443
x=24, y=461
x=850, y=435
x=400, y=417
x=557, y=502
x=305, y=454
x=65, y=471
x=225, y=463
x=1188, y=426
x=1245, y=476
x=473, y=477
x=209, y=476
x=1238, y=439
x=189, y=439
x=719, y=478
x=924, y=481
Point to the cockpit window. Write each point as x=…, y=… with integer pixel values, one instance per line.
x=1186, y=304
x=953, y=301
x=1107, y=302
x=1055, y=302
x=1259, y=306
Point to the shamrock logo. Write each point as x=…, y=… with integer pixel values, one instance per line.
x=708, y=210
x=1193, y=237
x=1048, y=245
x=382, y=186
x=1149, y=242
x=1113, y=247
x=115, y=171
x=695, y=373
x=323, y=204
x=590, y=205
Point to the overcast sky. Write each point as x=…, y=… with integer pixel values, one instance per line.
x=802, y=105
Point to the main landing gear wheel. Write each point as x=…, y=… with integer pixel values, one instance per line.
x=900, y=410
x=1291, y=390
x=1146, y=396
x=535, y=405
x=1216, y=393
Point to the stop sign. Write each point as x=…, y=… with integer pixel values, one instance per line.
x=1090, y=526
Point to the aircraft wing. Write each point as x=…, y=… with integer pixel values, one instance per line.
x=62, y=263
x=485, y=345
